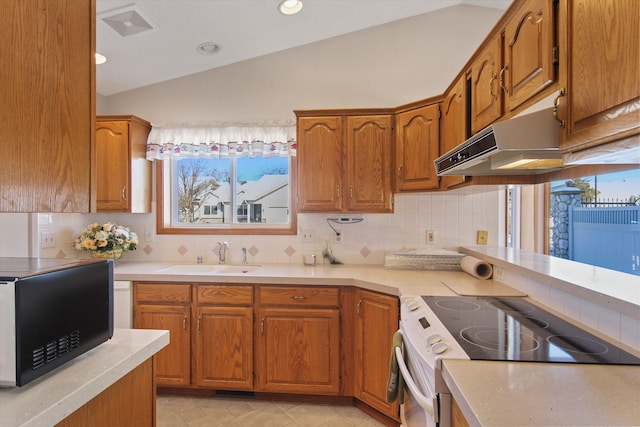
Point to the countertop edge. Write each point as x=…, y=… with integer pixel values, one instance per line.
x=72, y=385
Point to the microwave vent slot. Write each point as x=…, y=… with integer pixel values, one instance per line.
x=37, y=357
x=54, y=349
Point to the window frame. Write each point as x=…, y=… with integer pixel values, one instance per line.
x=163, y=225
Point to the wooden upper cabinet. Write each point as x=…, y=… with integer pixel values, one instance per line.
x=602, y=101
x=122, y=172
x=486, y=97
x=416, y=147
x=453, y=125
x=528, y=52
x=320, y=164
x=47, y=105
x=344, y=163
x=369, y=164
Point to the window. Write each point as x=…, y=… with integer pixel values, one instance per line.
x=233, y=195
x=596, y=220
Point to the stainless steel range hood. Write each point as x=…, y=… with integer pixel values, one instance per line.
x=523, y=145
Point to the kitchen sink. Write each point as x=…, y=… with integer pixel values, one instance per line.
x=208, y=269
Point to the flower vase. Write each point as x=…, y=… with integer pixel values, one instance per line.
x=113, y=254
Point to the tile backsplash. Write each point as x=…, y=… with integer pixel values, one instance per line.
x=455, y=216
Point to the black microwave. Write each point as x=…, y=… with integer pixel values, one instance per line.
x=51, y=311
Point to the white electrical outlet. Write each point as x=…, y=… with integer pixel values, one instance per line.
x=431, y=237
x=149, y=235
x=337, y=239
x=47, y=239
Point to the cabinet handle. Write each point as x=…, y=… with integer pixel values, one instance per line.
x=556, y=102
x=124, y=193
x=400, y=172
x=339, y=195
x=184, y=323
x=262, y=327
x=298, y=297
x=199, y=317
x=504, y=88
x=358, y=308
x=494, y=77
x=351, y=191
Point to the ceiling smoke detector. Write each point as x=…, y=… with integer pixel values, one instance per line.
x=127, y=20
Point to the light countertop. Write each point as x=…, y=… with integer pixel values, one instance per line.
x=54, y=396
x=492, y=394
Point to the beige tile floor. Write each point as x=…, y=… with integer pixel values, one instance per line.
x=179, y=411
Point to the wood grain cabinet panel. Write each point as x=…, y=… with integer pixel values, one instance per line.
x=122, y=172
x=299, y=350
x=320, y=159
x=375, y=324
x=529, y=42
x=416, y=147
x=224, y=347
x=369, y=164
x=602, y=102
x=47, y=105
x=453, y=125
x=486, y=97
x=172, y=362
x=344, y=162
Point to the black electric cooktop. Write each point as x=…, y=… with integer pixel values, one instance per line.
x=512, y=328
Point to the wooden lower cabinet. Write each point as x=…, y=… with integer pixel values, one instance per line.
x=457, y=417
x=167, y=306
x=223, y=337
x=376, y=321
x=129, y=402
x=298, y=340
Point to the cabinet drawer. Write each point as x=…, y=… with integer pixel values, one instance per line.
x=300, y=296
x=224, y=294
x=162, y=293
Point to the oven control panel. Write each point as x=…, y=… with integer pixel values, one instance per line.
x=426, y=334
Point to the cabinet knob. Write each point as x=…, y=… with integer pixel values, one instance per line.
x=400, y=172
x=298, y=297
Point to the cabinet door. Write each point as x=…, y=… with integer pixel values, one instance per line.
x=486, y=99
x=320, y=164
x=299, y=350
x=529, y=44
x=173, y=361
x=48, y=105
x=369, y=164
x=112, y=166
x=416, y=149
x=224, y=348
x=376, y=322
x=453, y=125
x=603, y=81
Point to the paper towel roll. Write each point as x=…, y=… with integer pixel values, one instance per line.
x=476, y=267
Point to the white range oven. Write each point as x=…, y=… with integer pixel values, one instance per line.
x=436, y=328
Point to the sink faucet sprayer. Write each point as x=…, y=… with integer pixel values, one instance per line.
x=244, y=256
x=222, y=252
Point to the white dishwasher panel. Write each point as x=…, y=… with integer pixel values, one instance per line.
x=122, y=304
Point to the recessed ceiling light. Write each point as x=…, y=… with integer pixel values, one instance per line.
x=290, y=7
x=207, y=48
x=100, y=59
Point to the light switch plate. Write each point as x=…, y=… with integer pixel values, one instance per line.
x=483, y=236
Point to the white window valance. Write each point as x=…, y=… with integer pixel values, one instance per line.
x=219, y=142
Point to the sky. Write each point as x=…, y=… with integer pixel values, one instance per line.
x=618, y=185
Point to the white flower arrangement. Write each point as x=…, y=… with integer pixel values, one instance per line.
x=105, y=238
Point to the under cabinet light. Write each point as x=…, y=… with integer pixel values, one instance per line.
x=290, y=7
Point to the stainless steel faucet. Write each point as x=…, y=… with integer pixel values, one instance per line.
x=222, y=252
x=244, y=256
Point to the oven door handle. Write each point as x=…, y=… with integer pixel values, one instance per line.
x=426, y=403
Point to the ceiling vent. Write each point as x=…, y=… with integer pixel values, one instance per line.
x=127, y=20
